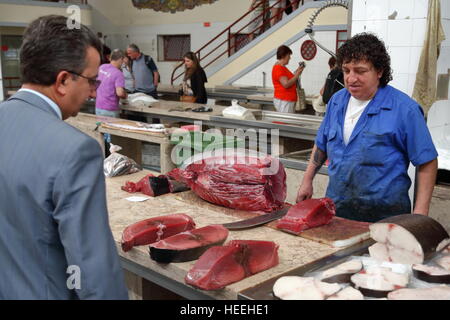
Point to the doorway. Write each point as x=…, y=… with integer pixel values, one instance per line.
x=10, y=66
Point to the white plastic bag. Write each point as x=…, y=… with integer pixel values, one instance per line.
x=140, y=100
x=117, y=164
x=237, y=112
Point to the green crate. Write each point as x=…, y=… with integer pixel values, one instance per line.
x=193, y=142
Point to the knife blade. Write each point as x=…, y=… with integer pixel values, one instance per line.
x=256, y=221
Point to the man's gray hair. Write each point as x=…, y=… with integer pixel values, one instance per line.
x=117, y=54
x=134, y=47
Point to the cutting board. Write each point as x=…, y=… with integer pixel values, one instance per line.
x=338, y=233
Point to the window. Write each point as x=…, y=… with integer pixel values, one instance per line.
x=173, y=47
x=341, y=37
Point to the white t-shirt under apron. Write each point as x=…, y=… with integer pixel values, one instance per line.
x=355, y=109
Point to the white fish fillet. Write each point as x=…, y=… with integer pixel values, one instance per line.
x=431, y=270
x=380, y=278
x=444, y=262
x=441, y=292
x=347, y=293
x=303, y=288
x=351, y=266
x=394, y=243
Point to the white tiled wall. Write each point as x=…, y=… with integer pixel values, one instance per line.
x=401, y=24
x=313, y=76
x=404, y=37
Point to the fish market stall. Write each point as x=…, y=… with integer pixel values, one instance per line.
x=294, y=251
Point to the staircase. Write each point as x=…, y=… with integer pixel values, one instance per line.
x=230, y=54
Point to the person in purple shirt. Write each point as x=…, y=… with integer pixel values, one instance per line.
x=112, y=86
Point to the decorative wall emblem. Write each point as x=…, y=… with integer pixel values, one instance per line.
x=171, y=6
x=308, y=50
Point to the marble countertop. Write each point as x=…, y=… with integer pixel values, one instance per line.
x=293, y=251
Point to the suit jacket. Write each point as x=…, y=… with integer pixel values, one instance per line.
x=55, y=239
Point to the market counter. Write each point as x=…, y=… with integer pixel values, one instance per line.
x=293, y=251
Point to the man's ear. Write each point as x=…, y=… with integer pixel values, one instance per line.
x=62, y=81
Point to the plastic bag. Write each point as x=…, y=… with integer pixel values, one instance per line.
x=237, y=112
x=140, y=100
x=117, y=164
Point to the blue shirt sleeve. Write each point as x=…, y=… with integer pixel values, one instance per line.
x=419, y=144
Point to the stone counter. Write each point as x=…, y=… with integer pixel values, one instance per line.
x=293, y=252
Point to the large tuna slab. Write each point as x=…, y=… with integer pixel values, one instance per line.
x=188, y=245
x=407, y=238
x=237, y=182
x=154, y=229
x=222, y=265
x=307, y=214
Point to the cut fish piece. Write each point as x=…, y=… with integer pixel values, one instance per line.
x=406, y=238
x=303, y=288
x=188, y=245
x=434, y=293
x=154, y=229
x=378, y=281
x=431, y=274
x=307, y=214
x=347, y=293
x=444, y=262
x=342, y=272
x=250, y=183
x=220, y=266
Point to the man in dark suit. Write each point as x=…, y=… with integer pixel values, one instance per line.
x=55, y=239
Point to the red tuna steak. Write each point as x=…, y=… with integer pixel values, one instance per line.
x=188, y=245
x=151, y=230
x=155, y=186
x=222, y=265
x=307, y=214
x=237, y=182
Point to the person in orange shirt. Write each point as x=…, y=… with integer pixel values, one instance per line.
x=284, y=81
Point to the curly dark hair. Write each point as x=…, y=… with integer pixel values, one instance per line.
x=367, y=47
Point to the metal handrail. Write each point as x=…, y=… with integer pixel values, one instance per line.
x=230, y=36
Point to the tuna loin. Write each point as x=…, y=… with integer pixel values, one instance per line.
x=188, y=245
x=151, y=230
x=307, y=214
x=220, y=266
x=441, y=292
x=155, y=186
x=303, y=288
x=237, y=182
x=406, y=238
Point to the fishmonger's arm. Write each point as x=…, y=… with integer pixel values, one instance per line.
x=426, y=179
x=318, y=158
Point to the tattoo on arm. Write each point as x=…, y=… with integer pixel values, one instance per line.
x=318, y=159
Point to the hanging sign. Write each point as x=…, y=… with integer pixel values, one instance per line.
x=308, y=50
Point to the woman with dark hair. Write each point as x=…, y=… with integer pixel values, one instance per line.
x=371, y=134
x=284, y=81
x=194, y=79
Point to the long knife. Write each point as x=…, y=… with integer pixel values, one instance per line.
x=256, y=221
